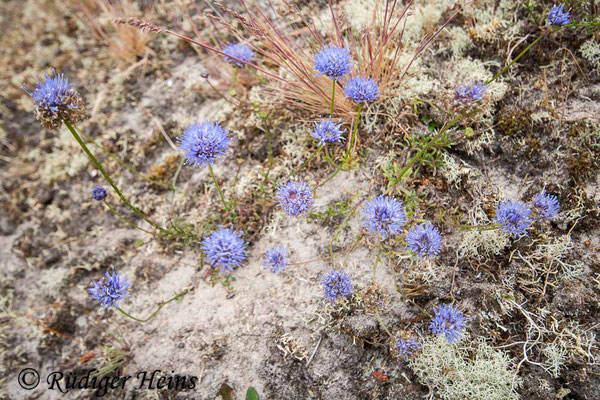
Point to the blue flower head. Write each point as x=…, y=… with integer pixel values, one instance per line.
x=514, y=217
x=468, y=93
x=239, y=50
x=56, y=101
x=110, y=289
x=336, y=285
x=558, y=16
x=406, y=347
x=98, y=193
x=361, y=90
x=384, y=215
x=546, y=204
x=275, y=259
x=449, y=322
x=224, y=248
x=327, y=131
x=295, y=198
x=333, y=62
x=203, y=143
x=424, y=240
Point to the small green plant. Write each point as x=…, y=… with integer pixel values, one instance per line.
x=251, y=394
x=333, y=210
x=114, y=358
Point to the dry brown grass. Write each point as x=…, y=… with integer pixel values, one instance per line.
x=125, y=43
x=287, y=43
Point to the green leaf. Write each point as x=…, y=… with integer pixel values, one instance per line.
x=251, y=394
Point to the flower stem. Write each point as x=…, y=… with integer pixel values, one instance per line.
x=269, y=149
x=308, y=160
x=159, y=306
x=109, y=180
x=332, y=100
x=177, y=172
x=373, y=278
x=515, y=60
x=125, y=165
x=353, y=139
x=380, y=320
x=233, y=81
x=218, y=187
x=377, y=259
x=486, y=227
x=330, y=177
x=426, y=147
x=122, y=218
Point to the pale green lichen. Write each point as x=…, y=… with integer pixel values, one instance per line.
x=452, y=373
x=590, y=50
x=454, y=170
x=65, y=161
x=556, y=356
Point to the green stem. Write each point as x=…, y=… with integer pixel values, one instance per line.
x=339, y=230
x=516, y=59
x=122, y=218
x=218, y=187
x=426, y=147
x=159, y=306
x=329, y=158
x=332, y=100
x=177, y=172
x=377, y=259
x=379, y=319
x=308, y=160
x=269, y=150
x=122, y=163
x=486, y=227
x=330, y=177
x=353, y=139
x=109, y=180
x=234, y=80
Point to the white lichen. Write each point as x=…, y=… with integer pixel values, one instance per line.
x=453, y=374
x=590, y=50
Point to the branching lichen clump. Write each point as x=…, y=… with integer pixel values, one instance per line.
x=454, y=374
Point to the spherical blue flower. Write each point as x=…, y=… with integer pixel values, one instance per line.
x=337, y=284
x=239, y=50
x=275, y=259
x=224, y=248
x=384, y=215
x=514, y=217
x=361, y=90
x=333, y=62
x=98, y=193
x=547, y=205
x=558, y=16
x=327, y=131
x=56, y=101
x=405, y=348
x=467, y=93
x=110, y=289
x=203, y=143
x=295, y=198
x=425, y=240
x=448, y=321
